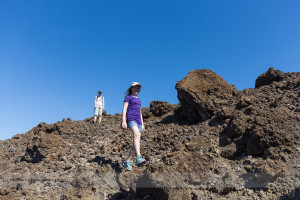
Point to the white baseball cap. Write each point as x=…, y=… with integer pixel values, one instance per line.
x=135, y=83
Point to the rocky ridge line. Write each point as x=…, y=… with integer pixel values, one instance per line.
x=218, y=143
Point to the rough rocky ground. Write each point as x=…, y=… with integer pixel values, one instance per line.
x=218, y=143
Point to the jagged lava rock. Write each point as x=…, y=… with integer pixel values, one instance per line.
x=202, y=94
x=248, y=148
x=266, y=119
x=158, y=108
x=268, y=77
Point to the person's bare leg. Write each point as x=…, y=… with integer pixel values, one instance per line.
x=100, y=115
x=95, y=119
x=135, y=148
x=131, y=154
x=136, y=140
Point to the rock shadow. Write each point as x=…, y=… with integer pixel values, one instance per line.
x=123, y=194
x=145, y=189
x=141, y=194
x=151, y=194
x=234, y=149
x=293, y=195
x=33, y=155
x=100, y=160
x=142, y=189
x=176, y=118
x=215, y=122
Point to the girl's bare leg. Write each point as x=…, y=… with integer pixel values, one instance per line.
x=131, y=154
x=136, y=140
x=136, y=143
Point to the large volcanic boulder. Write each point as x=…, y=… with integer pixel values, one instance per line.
x=202, y=94
x=270, y=76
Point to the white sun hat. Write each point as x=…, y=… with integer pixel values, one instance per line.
x=135, y=83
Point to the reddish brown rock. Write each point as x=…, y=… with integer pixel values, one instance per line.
x=202, y=94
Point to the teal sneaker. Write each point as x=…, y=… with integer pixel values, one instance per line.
x=127, y=165
x=140, y=161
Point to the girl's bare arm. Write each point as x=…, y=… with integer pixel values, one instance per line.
x=124, y=124
x=143, y=127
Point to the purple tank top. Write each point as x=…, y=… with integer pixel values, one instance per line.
x=134, y=109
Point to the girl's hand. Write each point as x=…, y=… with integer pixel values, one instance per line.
x=124, y=125
x=143, y=128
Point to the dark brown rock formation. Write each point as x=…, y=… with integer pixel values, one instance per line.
x=266, y=120
x=245, y=145
x=202, y=94
x=158, y=108
x=269, y=77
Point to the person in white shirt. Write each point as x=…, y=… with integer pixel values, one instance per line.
x=99, y=106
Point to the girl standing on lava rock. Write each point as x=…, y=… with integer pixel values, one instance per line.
x=132, y=118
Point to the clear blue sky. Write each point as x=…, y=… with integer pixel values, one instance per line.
x=56, y=54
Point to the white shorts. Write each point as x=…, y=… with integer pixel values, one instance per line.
x=98, y=111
